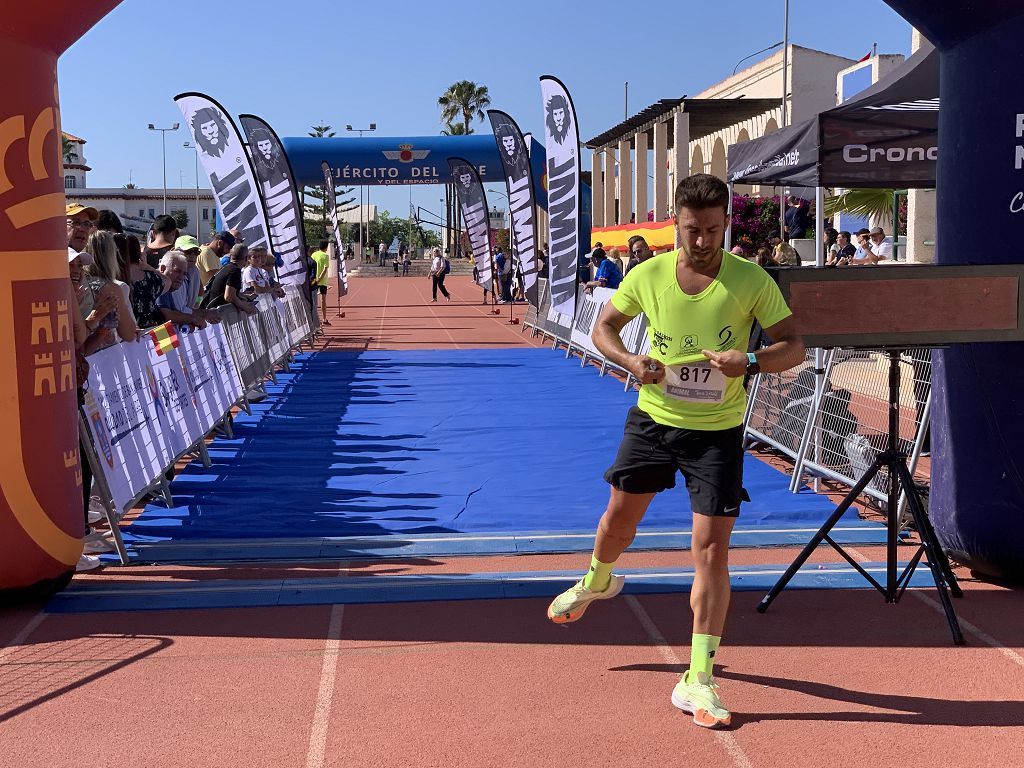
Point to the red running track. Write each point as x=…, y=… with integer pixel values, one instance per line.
x=825, y=678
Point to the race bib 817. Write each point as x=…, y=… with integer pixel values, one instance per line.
x=695, y=383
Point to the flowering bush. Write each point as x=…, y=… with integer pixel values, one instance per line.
x=755, y=220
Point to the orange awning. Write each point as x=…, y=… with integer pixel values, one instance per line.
x=658, y=234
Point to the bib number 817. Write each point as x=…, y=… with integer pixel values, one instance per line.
x=696, y=375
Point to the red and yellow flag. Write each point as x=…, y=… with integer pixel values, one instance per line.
x=165, y=338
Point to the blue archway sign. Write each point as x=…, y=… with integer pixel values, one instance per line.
x=401, y=160
x=977, y=499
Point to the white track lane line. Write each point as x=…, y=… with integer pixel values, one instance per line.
x=725, y=738
x=978, y=632
x=325, y=694
x=19, y=639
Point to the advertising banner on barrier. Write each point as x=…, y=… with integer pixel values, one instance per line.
x=332, y=205
x=280, y=198
x=246, y=344
x=559, y=325
x=519, y=183
x=271, y=318
x=473, y=203
x=590, y=308
x=177, y=418
x=121, y=413
x=210, y=373
x=291, y=324
x=562, y=145
x=228, y=166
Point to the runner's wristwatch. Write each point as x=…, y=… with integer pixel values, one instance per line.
x=753, y=367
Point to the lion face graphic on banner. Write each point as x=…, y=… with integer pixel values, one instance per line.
x=211, y=131
x=514, y=157
x=266, y=155
x=558, y=121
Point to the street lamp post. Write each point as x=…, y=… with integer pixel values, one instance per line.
x=361, y=131
x=190, y=145
x=163, y=145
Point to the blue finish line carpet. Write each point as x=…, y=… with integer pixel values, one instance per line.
x=434, y=442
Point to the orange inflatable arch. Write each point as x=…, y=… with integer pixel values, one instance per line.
x=41, y=517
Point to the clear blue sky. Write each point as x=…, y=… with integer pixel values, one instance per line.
x=305, y=61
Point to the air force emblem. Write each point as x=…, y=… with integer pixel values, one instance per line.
x=405, y=153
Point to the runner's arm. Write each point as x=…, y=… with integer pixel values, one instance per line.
x=609, y=343
x=788, y=350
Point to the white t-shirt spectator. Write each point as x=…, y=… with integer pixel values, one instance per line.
x=254, y=276
x=437, y=265
x=882, y=250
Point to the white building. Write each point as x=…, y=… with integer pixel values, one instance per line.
x=137, y=207
x=692, y=135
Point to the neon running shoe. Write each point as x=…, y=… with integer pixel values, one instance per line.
x=572, y=604
x=699, y=698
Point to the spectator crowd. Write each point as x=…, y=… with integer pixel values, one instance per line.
x=123, y=287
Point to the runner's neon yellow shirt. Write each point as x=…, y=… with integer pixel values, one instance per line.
x=321, y=258
x=679, y=326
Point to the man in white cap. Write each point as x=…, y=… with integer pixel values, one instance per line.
x=880, y=245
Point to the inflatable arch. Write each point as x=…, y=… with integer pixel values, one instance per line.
x=977, y=500
x=41, y=520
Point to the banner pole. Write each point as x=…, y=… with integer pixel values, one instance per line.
x=728, y=228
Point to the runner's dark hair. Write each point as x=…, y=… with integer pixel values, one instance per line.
x=700, y=191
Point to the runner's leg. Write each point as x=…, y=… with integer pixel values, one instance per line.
x=709, y=596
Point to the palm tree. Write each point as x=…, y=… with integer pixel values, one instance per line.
x=455, y=129
x=870, y=203
x=463, y=100
x=68, y=149
x=321, y=132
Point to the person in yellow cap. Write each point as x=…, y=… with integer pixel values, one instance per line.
x=190, y=247
x=81, y=220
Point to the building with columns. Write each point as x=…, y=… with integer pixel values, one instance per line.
x=636, y=164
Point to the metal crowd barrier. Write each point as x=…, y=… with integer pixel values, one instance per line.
x=848, y=427
x=257, y=344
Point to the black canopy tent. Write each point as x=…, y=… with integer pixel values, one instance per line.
x=885, y=137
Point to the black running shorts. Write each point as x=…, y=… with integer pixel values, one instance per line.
x=323, y=289
x=711, y=461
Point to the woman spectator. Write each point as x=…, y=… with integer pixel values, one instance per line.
x=831, y=235
x=104, y=296
x=106, y=260
x=76, y=272
x=765, y=257
x=147, y=286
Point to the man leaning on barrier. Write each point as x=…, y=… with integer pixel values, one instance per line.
x=174, y=303
x=226, y=285
x=700, y=303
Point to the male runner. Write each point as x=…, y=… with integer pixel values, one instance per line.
x=700, y=303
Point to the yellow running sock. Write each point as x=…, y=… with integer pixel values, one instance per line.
x=599, y=576
x=702, y=655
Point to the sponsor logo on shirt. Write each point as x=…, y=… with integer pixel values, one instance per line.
x=660, y=341
x=689, y=344
x=726, y=339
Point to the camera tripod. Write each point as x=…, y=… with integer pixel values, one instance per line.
x=894, y=460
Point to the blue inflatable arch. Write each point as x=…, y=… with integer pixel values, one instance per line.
x=399, y=160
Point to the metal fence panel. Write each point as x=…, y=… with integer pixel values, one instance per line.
x=851, y=425
x=781, y=404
